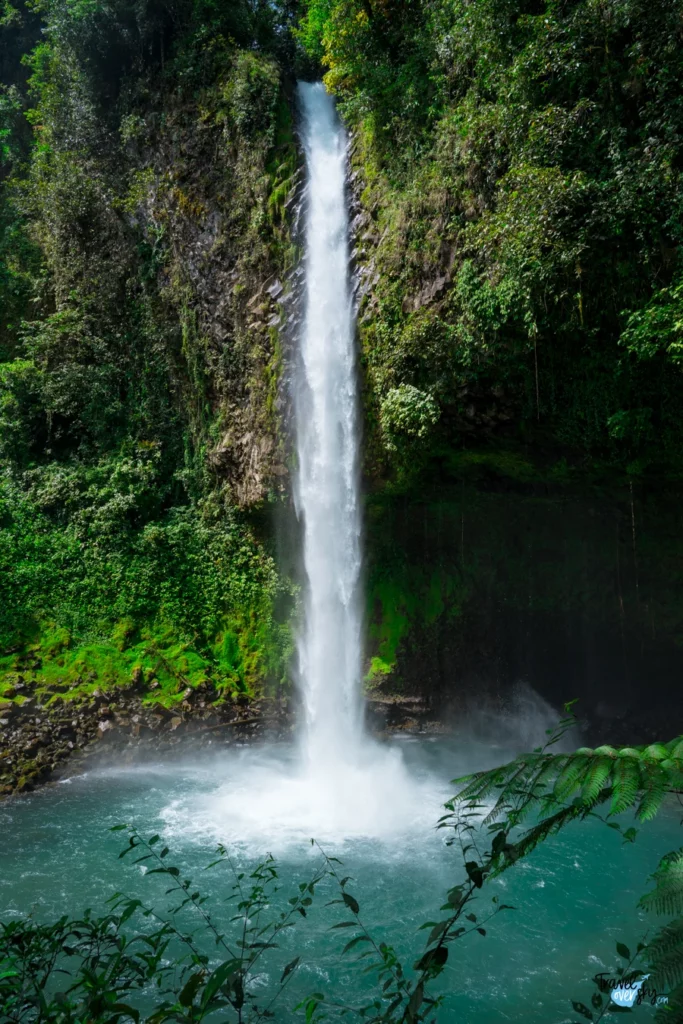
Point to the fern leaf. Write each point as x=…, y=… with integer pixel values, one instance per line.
x=538, y=833
x=549, y=770
x=671, y=1012
x=655, y=752
x=655, y=785
x=673, y=766
x=571, y=777
x=598, y=773
x=664, y=955
x=482, y=784
x=667, y=896
x=625, y=784
x=519, y=784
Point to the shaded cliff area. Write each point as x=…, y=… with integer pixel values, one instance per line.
x=515, y=184
x=477, y=589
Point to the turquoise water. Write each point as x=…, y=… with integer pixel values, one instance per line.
x=574, y=898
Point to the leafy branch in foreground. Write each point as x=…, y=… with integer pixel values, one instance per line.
x=91, y=969
x=554, y=789
x=559, y=788
x=403, y=997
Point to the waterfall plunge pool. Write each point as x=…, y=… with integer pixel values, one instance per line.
x=575, y=897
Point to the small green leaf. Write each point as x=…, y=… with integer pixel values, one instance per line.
x=355, y=941
x=124, y=1008
x=350, y=902
x=129, y=911
x=224, y=972
x=433, y=960
x=475, y=873
x=455, y=896
x=437, y=931
x=289, y=968
x=189, y=991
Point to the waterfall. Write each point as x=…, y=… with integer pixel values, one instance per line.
x=327, y=485
x=337, y=783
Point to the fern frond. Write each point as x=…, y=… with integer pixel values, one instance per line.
x=539, y=833
x=625, y=784
x=671, y=1012
x=626, y=775
x=548, y=771
x=598, y=774
x=667, y=939
x=480, y=785
x=664, y=956
x=673, y=766
x=667, y=895
x=655, y=782
x=520, y=782
x=571, y=777
x=655, y=752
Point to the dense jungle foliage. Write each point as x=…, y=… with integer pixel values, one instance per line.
x=517, y=221
x=147, y=151
x=522, y=171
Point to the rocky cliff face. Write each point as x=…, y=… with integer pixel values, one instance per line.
x=218, y=203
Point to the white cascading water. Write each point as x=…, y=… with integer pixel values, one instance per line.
x=327, y=447
x=338, y=783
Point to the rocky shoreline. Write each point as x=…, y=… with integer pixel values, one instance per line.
x=43, y=741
